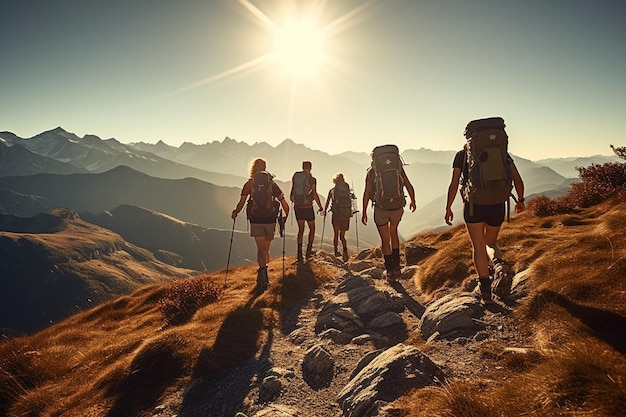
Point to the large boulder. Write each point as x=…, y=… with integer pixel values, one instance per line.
x=385, y=378
x=451, y=317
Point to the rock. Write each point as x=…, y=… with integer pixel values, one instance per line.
x=518, y=287
x=270, y=388
x=277, y=410
x=317, y=366
x=336, y=336
x=334, y=316
x=387, y=377
x=451, y=317
x=415, y=252
x=384, y=320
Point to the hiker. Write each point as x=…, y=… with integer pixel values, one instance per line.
x=384, y=186
x=341, y=197
x=483, y=221
x=303, y=194
x=262, y=211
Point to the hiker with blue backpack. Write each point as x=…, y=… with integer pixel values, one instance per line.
x=303, y=194
x=264, y=201
x=484, y=174
x=384, y=186
x=341, y=197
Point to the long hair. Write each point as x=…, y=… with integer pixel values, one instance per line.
x=338, y=178
x=257, y=165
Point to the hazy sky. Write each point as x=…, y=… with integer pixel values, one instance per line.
x=350, y=74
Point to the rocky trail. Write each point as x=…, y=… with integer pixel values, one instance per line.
x=351, y=349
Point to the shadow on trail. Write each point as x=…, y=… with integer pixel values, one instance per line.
x=410, y=303
x=224, y=372
x=606, y=325
x=296, y=291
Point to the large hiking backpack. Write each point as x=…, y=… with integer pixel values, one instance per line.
x=488, y=175
x=342, y=201
x=262, y=206
x=302, y=188
x=388, y=182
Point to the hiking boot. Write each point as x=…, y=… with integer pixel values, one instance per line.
x=390, y=272
x=309, y=251
x=502, y=280
x=299, y=256
x=484, y=289
x=337, y=253
x=395, y=262
x=262, y=280
x=345, y=254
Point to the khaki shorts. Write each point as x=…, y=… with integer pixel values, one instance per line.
x=263, y=229
x=383, y=217
x=341, y=224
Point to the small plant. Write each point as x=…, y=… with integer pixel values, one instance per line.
x=186, y=296
x=597, y=184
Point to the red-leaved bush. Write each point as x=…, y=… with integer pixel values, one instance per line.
x=597, y=183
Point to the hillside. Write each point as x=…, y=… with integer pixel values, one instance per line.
x=55, y=264
x=555, y=348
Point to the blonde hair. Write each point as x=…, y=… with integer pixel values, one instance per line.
x=338, y=178
x=257, y=165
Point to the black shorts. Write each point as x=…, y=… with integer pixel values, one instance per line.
x=493, y=214
x=305, y=213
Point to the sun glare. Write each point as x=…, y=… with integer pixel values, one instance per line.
x=299, y=48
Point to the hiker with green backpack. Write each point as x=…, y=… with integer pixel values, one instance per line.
x=484, y=174
x=303, y=194
x=384, y=186
x=341, y=197
x=264, y=200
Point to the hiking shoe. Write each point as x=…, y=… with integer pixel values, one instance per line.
x=502, y=280
x=309, y=251
x=262, y=280
x=345, y=255
x=484, y=289
x=337, y=253
x=391, y=276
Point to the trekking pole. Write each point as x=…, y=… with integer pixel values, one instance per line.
x=281, y=225
x=232, y=234
x=323, y=227
x=356, y=220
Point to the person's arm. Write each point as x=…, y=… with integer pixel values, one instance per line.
x=410, y=190
x=367, y=196
x=330, y=193
x=518, y=183
x=452, y=190
x=240, y=203
x=316, y=197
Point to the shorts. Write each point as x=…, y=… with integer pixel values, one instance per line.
x=305, y=213
x=383, y=217
x=492, y=214
x=263, y=229
x=341, y=224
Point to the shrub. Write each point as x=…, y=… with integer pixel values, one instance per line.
x=598, y=182
x=185, y=297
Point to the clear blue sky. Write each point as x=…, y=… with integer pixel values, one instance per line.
x=411, y=72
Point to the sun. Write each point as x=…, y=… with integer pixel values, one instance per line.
x=299, y=48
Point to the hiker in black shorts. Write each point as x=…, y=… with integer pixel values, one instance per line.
x=483, y=222
x=303, y=209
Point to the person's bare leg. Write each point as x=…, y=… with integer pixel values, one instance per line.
x=476, y=233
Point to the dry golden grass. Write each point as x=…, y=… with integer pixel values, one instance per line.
x=121, y=357
x=96, y=362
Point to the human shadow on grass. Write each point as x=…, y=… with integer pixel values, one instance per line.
x=223, y=374
x=606, y=325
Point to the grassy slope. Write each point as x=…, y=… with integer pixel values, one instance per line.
x=94, y=363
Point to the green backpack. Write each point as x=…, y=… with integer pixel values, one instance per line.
x=388, y=181
x=488, y=179
x=302, y=188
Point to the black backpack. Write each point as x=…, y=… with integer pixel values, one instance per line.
x=388, y=181
x=262, y=207
x=488, y=174
x=302, y=188
x=342, y=201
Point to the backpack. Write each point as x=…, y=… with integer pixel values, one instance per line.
x=388, y=181
x=302, y=188
x=262, y=207
x=488, y=179
x=342, y=201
